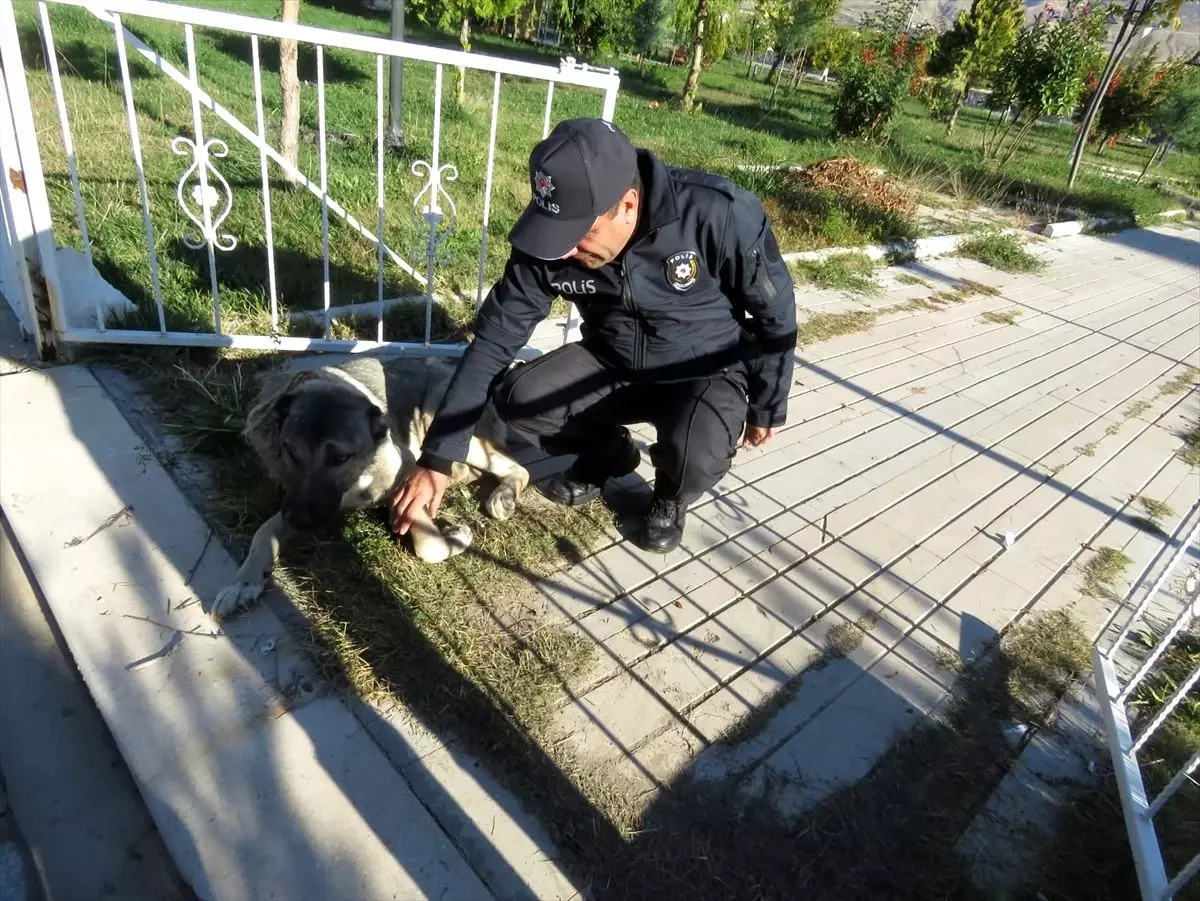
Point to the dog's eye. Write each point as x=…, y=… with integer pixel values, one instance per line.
x=338, y=459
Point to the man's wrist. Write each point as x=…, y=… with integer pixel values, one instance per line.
x=765, y=418
x=434, y=463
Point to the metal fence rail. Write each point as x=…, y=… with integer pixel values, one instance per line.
x=206, y=197
x=1138, y=808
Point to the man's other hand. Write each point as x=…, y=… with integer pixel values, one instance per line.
x=757, y=436
x=421, y=489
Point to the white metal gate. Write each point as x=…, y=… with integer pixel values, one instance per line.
x=206, y=196
x=1116, y=693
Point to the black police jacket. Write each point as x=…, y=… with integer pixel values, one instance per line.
x=701, y=287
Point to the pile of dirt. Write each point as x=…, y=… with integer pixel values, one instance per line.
x=853, y=179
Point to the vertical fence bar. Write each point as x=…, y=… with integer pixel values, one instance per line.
x=33, y=221
x=610, y=100
x=68, y=146
x=487, y=191
x=266, y=181
x=202, y=171
x=18, y=227
x=135, y=139
x=324, y=183
x=549, y=106
x=379, y=191
x=435, y=186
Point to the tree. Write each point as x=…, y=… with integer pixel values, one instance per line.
x=688, y=101
x=833, y=48
x=1043, y=74
x=459, y=14
x=797, y=26
x=647, y=21
x=591, y=26
x=289, y=85
x=1176, y=119
x=1140, y=16
x=1135, y=91
x=971, y=52
x=878, y=76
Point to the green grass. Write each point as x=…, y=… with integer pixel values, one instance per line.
x=905, y=279
x=1156, y=510
x=1190, y=452
x=851, y=272
x=826, y=326
x=734, y=130
x=1103, y=571
x=1002, y=252
x=1185, y=381
x=1046, y=653
x=1007, y=317
x=1136, y=409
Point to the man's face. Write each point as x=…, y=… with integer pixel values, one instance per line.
x=609, y=234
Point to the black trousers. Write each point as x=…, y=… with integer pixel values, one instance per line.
x=569, y=402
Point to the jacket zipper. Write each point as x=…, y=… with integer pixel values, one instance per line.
x=763, y=279
x=627, y=301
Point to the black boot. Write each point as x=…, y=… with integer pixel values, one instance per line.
x=662, y=530
x=584, y=480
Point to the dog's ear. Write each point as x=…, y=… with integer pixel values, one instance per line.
x=379, y=423
x=264, y=422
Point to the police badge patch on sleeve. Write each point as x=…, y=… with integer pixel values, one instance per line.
x=682, y=269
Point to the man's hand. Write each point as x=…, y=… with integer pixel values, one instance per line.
x=421, y=489
x=757, y=436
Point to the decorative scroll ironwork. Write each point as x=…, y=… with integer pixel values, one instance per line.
x=205, y=200
x=438, y=225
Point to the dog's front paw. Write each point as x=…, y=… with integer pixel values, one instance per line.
x=232, y=597
x=458, y=538
x=502, y=503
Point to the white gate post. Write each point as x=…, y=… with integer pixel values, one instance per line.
x=25, y=194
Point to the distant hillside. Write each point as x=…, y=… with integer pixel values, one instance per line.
x=1184, y=41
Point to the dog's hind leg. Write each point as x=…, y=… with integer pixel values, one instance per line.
x=252, y=575
x=434, y=545
x=514, y=478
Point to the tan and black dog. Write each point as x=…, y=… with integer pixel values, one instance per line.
x=339, y=436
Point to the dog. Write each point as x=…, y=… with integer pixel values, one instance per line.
x=341, y=435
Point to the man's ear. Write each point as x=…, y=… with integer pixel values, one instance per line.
x=629, y=205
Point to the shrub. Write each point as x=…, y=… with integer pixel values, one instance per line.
x=874, y=84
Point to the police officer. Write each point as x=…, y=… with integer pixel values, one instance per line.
x=688, y=323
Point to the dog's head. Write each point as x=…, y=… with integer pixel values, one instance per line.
x=323, y=437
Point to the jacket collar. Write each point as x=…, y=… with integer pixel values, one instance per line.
x=658, y=202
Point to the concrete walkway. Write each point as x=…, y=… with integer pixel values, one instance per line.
x=869, y=536
x=875, y=525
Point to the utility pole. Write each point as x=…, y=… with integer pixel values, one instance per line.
x=395, y=132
